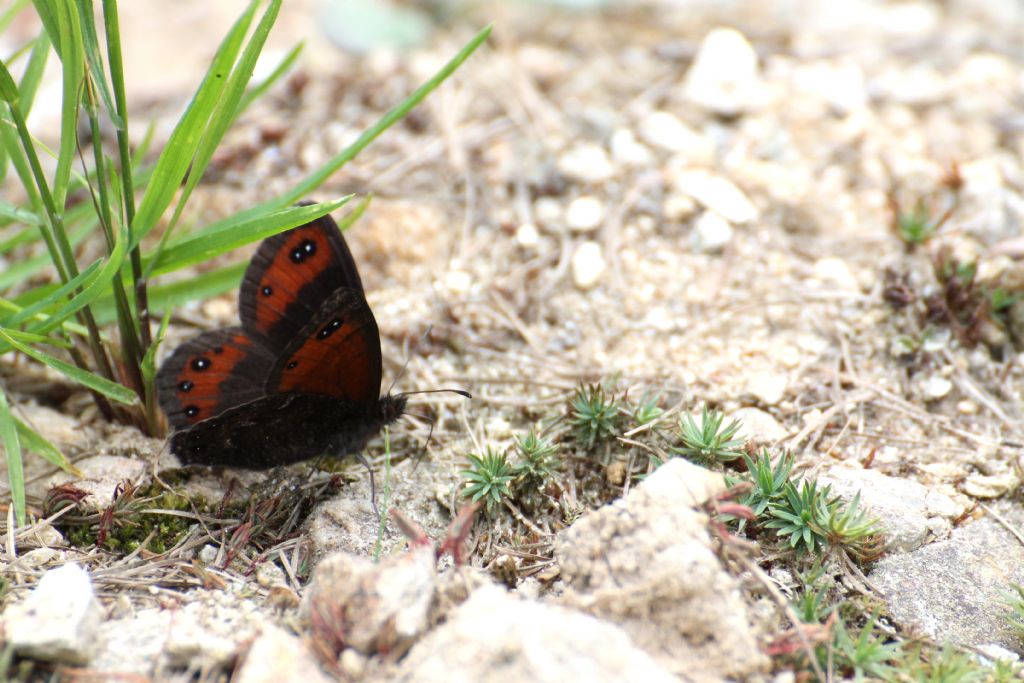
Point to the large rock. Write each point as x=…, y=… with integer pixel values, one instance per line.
x=277, y=655
x=58, y=621
x=494, y=638
x=911, y=514
x=646, y=562
x=373, y=607
x=954, y=589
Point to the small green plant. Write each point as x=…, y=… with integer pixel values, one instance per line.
x=1015, y=617
x=849, y=526
x=709, y=443
x=768, y=479
x=488, y=478
x=647, y=410
x=810, y=605
x=594, y=415
x=948, y=665
x=916, y=226
x=799, y=515
x=867, y=655
x=538, y=458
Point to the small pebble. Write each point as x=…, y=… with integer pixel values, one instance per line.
x=584, y=214
x=711, y=233
x=588, y=265
x=837, y=272
x=716, y=193
x=548, y=212
x=933, y=388
x=665, y=130
x=626, y=150
x=678, y=207
x=527, y=236
x=767, y=387
x=587, y=163
x=724, y=75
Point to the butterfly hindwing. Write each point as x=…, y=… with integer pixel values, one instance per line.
x=211, y=373
x=290, y=276
x=336, y=354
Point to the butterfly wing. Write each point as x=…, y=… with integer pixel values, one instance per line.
x=337, y=353
x=209, y=374
x=290, y=277
x=280, y=429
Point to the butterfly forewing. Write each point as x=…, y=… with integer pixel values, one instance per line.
x=336, y=354
x=290, y=276
x=211, y=373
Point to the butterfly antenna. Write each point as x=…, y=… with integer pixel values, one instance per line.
x=460, y=392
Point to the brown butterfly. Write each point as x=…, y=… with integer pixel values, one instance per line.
x=299, y=378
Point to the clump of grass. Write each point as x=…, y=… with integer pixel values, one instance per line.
x=646, y=410
x=926, y=217
x=595, y=416
x=797, y=516
x=538, y=459
x=804, y=515
x=710, y=442
x=488, y=478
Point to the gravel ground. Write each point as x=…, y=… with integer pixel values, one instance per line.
x=698, y=202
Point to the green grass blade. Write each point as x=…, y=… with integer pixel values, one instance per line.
x=34, y=72
x=104, y=386
x=46, y=11
x=12, y=447
x=11, y=12
x=228, y=107
x=86, y=277
x=8, y=88
x=177, y=155
x=206, y=244
x=92, y=289
x=91, y=47
x=72, y=70
x=172, y=294
x=33, y=441
x=22, y=270
x=317, y=178
x=258, y=90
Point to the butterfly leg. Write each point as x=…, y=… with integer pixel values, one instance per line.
x=373, y=487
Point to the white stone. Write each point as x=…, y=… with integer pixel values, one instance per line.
x=59, y=619
x=758, y=426
x=588, y=163
x=527, y=236
x=494, y=637
x=584, y=214
x=716, y=193
x=588, y=264
x=665, y=130
x=548, y=211
x=836, y=271
x=626, y=150
x=277, y=655
x=911, y=513
x=767, y=387
x=678, y=207
x=458, y=282
x=711, y=233
x=935, y=387
x=724, y=75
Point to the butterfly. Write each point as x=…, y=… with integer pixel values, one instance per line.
x=299, y=378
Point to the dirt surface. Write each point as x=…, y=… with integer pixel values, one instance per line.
x=628, y=194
